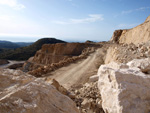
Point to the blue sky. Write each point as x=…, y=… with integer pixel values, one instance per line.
x=72, y=20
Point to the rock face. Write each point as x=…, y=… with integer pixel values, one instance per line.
x=53, y=53
x=136, y=35
x=116, y=36
x=54, y=56
x=23, y=93
x=124, y=89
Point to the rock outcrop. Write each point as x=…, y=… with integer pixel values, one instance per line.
x=142, y=64
x=54, y=56
x=116, y=36
x=136, y=35
x=53, y=53
x=23, y=93
x=124, y=88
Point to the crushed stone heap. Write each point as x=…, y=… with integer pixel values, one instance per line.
x=87, y=98
x=123, y=53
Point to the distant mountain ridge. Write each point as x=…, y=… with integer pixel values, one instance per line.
x=24, y=53
x=13, y=45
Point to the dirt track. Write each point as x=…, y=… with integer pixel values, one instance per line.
x=77, y=73
x=11, y=62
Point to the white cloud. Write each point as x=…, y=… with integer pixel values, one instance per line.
x=90, y=19
x=142, y=8
x=133, y=10
x=127, y=12
x=12, y=3
x=14, y=24
x=5, y=18
x=127, y=26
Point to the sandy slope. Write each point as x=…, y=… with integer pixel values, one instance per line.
x=76, y=73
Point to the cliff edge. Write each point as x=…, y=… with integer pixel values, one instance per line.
x=136, y=35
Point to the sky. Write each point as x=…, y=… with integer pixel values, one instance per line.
x=69, y=20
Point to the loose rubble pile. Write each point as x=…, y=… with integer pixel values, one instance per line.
x=88, y=99
x=123, y=53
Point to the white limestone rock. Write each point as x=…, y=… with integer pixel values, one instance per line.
x=125, y=90
x=23, y=93
x=94, y=78
x=142, y=64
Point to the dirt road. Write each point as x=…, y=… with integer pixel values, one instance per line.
x=77, y=73
x=11, y=62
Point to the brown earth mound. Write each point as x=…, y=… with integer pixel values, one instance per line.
x=2, y=62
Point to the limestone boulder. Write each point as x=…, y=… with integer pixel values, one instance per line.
x=23, y=93
x=142, y=64
x=124, y=90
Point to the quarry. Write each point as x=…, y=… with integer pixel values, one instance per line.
x=90, y=77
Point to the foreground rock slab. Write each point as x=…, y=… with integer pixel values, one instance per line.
x=124, y=89
x=22, y=93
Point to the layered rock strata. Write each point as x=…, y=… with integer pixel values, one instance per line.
x=78, y=52
x=53, y=53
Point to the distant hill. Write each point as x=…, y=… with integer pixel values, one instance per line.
x=24, y=53
x=12, y=45
x=23, y=44
x=8, y=45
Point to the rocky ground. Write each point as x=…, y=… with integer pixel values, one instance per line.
x=87, y=96
x=107, y=77
x=76, y=79
x=123, y=53
x=87, y=99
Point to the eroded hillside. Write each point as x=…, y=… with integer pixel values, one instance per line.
x=136, y=35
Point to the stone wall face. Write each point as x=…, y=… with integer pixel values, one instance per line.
x=53, y=53
x=136, y=35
